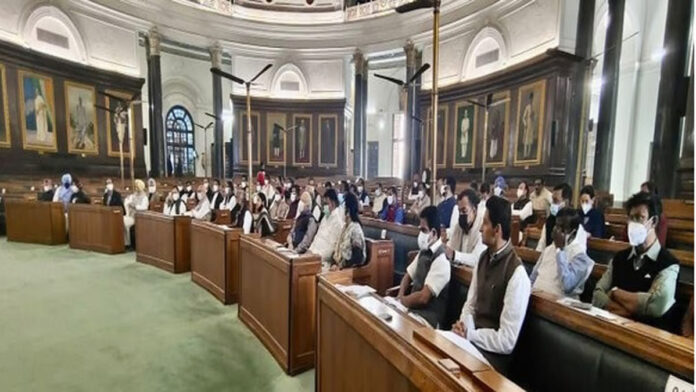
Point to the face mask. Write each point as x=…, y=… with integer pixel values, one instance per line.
x=243, y=184
x=520, y=192
x=415, y=184
x=215, y=188
x=554, y=209
x=423, y=241
x=360, y=189
x=175, y=196
x=390, y=199
x=188, y=188
x=47, y=188
x=341, y=198
x=293, y=197
x=497, y=191
x=378, y=192
x=421, y=194
x=206, y=185
x=109, y=187
x=180, y=188
x=442, y=190
x=637, y=233
x=228, y=190
x=151, y=189
x=74, y=189
x=326, y=210
x=287, y=185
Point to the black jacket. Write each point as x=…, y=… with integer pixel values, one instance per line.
x=80, y=197
x=116, y=200
x=45, y=196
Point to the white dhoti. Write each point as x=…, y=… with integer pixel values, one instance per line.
x=128, y=222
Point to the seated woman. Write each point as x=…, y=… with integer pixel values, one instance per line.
x=279, y=207
x=363, y=197
x=305, y=227
x=592, y=218
x=262, y=220
x=350, y=249
x=229, y=200
x=392, y=211
x=137, y=201
x=421, y=200
x=202, y=209
x=523, y=207
x=174, y=205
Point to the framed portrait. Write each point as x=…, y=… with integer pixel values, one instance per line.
x=112, y=125
x=5, y=136
x=302, y=139
x=328, y=140
x=464, y=146
x=495, y=146
x=255, y=141
x=530, y=123
x=81, y=118
x=276, y=138
x=37, y=111
x=441, y=135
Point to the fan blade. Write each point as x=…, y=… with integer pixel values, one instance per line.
x=226, y=75
x=261, y=72
x=393, y=80
x=212, y=115
x=417, y=119
x=471, y=101
x=418, y=73
x=209, y=125
x=198, y=125
x=415, y=5
x=121, y=99
x=104, y=108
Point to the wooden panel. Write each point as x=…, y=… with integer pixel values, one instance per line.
x=97, y=228
x=35, y=222
x=211, y=266
x=283, y=228
x=182, y=238
x=163, y=241
x=378, y=272
x=281, y=311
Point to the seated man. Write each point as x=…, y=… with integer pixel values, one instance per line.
x=294, y=202
x=561, y=197
x=640, y=282
x=152, y=195
x=415, y=187
x=449, y=214
x=497, y=300
x=392, y=211
x=351, y=250
x=112, y=198
x=136, y=201
x=216, y=197
x=330, y=228
x=541, y=197
x=465, y=245
x=379, y=200
x=78, y=194
x=64, y=192
x=305, y=227
x=564, y=266
x=229, y=200
x=421, y=200
x=47, y=193
x=424, y=286
x=174, y=205
x=202, y=209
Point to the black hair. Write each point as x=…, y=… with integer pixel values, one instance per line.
x=351, y=205
x=287, y=194
x=588, y=190
x=526, y=186
x=353, y=189
x=474, y=185
x=652, y=188
x=500, y=213
x=327, y=185
x=393, y=190
x=379, y=185
x=331, y=195
x=229, y=184
x=471, y=195
x=451, y=182
x=262, y=197
x=296, y=188
x=216, y=181
x=431, y=216
x=345, y=187
x=649, y=200
x=566, y=190
x=361, y=182
x=573, y=215
x=485, y=188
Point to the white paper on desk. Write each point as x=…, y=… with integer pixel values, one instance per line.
x=595, y=311
x=677, y=384
x=355, y=291
x=396, y=303
x=463, y=344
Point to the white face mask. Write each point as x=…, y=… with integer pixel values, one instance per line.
x=586, y=207
x=47, y=188
x=206, y=185
x=378, y=192
x=109, y=187
x=421, y=194
x=637, y=233
x=442, y=189
x=555, y=208
x=287, y=185
x=243, y=184
x=73, y=188
x=390, y=199
x=293, y=197
x=497, y=191
x=423, y=241
x=151, y=189
x=175, y=196
x=215, y=188
x=188, y=188
x=180, y=188
x=415, y=184
x=520, y=192
x=360, y=189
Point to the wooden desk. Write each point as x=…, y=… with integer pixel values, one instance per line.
x=282, y=229
x=97, y=228
x=39, y=222
x=358, y=351
x=222, y=217
x=163, y=241
x=277, y=301
x=215, y=259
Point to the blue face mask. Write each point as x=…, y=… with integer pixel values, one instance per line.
x=340, y=198
x=554, y=209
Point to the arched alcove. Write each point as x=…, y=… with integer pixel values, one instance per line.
x=289, y=82
x=49, y=30
x=487, y=53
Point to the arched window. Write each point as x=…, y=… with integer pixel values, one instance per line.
x=181, y=152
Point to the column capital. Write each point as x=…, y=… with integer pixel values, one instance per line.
x=411, y=54
x=360, y=62
x=154, y=38
x=216, y=55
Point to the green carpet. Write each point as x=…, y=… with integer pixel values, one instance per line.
x=73, y=320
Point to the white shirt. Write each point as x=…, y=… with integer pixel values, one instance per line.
x=525, y=212
x=328, y=233
x=170, y=210
x=201, y=209
x=502, y=340
x=470, y=259
x=541, y=245
x=454, y=220
x=248, y=220
x=230, y=204
x=439, y=274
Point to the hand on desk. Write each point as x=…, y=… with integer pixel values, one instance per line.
x=449, y=252
x=334, y=267
x=459, y=328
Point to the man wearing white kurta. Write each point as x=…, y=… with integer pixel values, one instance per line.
x=137, y=201
x=465, y=245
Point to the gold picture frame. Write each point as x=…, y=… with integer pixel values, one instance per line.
x=271, y=119
x=308, y=117
x=538, y=106
x=335, y=146
x=49, y=101
x=494, y=111
x=245, y=143
x=474, y=129
x=67, y=85
x=7, y=141
x=109, y=125
x=445, y=124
